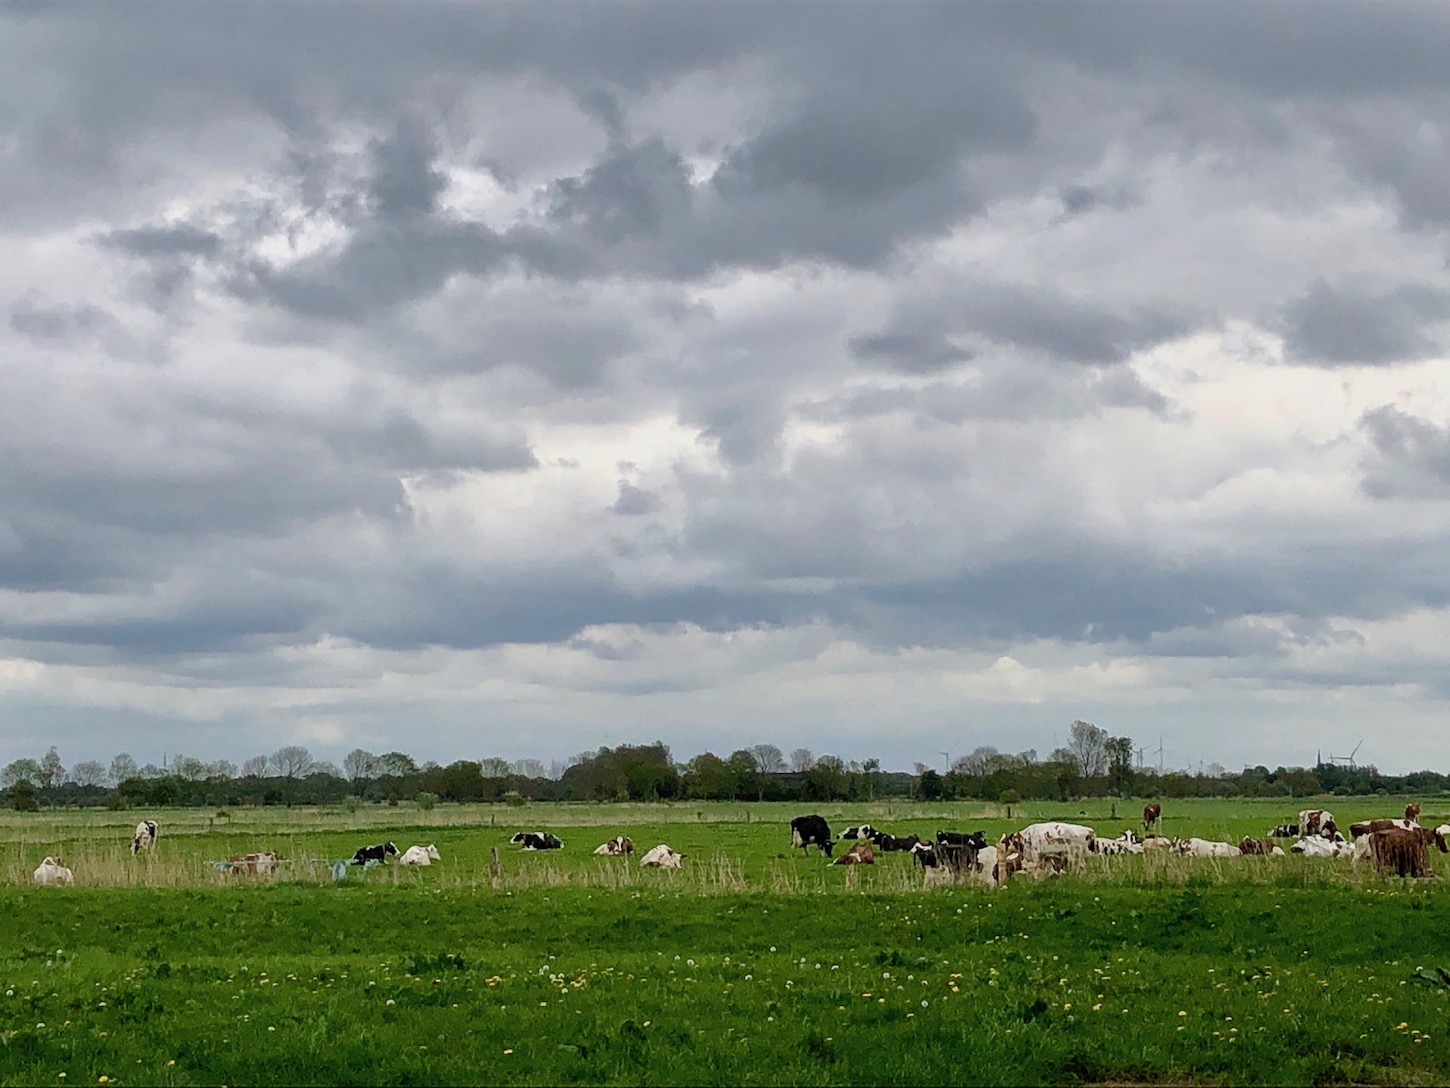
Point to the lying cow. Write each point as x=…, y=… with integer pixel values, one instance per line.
x=1129, y=842
x=381, y=852
x=1207, y=848
x=1402, y=851
x=889, y=843
x=1259, y=847
x=1067, y=844
x=51, y=871
x=661, y=857
x=1285, y=831
x=860, y=854
x=145, y=837
x=977, y=839
x=537, y=840
x=1317, y=846
x=1369, y=827
x=419, y=855
x=808, y=831
x=619, y=846
x=862, y=831
x=263, y=862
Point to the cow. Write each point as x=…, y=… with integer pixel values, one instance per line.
x=1158, y=842
x=1067, y=843
x=263, y=862
x=956, y=857
x=1317, y=846
x=1412, y=813
x=1401, y=851
x=859, y=854
x=1260, y=847
x=863, y=831
x=808, y=831
x=51, y=871
x=145, y=837
x=1126, y=843
x=537, y=840
x=1206, y=848
x=419, y=855
x=1285, y=831
x=889, y=843
x=976, y=840
x=1313, y=821
x=1152, y=815
x=661, y=857
x=619, y=846
x=1369, y=827
x=381, y=852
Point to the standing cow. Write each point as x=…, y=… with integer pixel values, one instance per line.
x=145, y=837
x=1152, y=815
x=808, y=831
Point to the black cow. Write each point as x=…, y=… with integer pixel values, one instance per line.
x=957, y=857
x=865, y=831
x=537, y=840
x=381, y=852
x=976, y=840
x=808, y=831
x=895, y=842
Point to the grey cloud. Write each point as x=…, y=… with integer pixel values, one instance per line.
x=169, y=240
x=629, y=192
x=405, y=180
x=910, y=353
x=1411, y=456
x=59, y=323
x=634, y=501
x=1339, y=325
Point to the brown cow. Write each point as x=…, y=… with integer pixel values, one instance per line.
x=263, y=862
x=1152, y=815
x=1412, y=813
x=1263, y=847
x=1369, y=827
x=1401, y=851
x=860, y=854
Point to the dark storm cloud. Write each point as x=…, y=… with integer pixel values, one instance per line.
x=1338, y=325
x=1411, y=455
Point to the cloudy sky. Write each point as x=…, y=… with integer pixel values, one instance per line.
x=882, y=379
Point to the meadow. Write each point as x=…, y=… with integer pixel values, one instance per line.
x=752, y=965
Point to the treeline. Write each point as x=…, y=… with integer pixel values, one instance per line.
x=1093, y=764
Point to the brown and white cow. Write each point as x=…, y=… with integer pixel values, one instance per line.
x=1152, y=815
x=1412, y=813
x=263, y=862
x=1315, y=821
x=1259, y=847
x=859, y=854
x=619, y=846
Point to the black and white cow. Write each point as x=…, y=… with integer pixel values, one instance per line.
x=864, y=831
x=145, y=837
x=537, y=840
x=381, y=852
x=977, y=839
x=896, y=842
x=808, y=831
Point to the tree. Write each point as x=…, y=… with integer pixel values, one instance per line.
x=1088, y=745
x=495, y=767
x=768, y=758
x=122, y=768
x=978, y=763
x=52, y=771
x=189, y=768
x=871, y=769
x=534, y=768
x=1120, y=763
x=22, y=770
x=709, y=777
x=222, y=768
x=930, y=785
x=255, y=767
x=292, y=761
x=360, y=766
x=397, y=764
x=89, y=772
x=801, y=760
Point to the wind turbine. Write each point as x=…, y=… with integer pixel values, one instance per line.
x=946, y=761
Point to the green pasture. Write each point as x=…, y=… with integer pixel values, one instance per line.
x=753, y=965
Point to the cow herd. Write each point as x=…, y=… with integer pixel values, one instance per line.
x=1398, y=846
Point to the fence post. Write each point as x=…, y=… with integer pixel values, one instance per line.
x=494, y=868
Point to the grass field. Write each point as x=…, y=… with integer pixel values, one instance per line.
x=749, y=966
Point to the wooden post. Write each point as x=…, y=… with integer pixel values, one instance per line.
x=495, y=871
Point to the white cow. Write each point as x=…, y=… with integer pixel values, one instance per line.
x=1207, y=848
x=1126, y=843
x=419, y=855
x=1312, y=821
x=1066, y=844
x=1316, y=846
x=145, y=837
x=661, y=857
x=53, y=872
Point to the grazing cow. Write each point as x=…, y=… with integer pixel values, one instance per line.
x=51, y=871
x=1313, y=821
x=1206, y=848
x=1285, y=831
x=864, y=831
x=977, y=839
x=381, y=852
x=1152, y=815
x=808, y=831
x=263, y=862
x=1401, y=851
x=860, y=854
x=145, y=837
x=661, y=857
x=419, y=855
x=619, y=846
x=537, y=840
x=1261, y=847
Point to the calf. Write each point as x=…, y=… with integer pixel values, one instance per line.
x=864, y=831
x=860, y=854
x=419, y=855
x=145, y=837
x=619, y=846
x=1152, y=815
x=51, y=871
x=808, y=831
x=381, y=852
x=263, y=862
x=537, y=840
x=661, y=857
x=1401, y=851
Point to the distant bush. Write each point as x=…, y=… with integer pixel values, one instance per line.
x=1009, y=797
x=352, y=802
x=426, y=800
x=514, y=799
x=118, y=802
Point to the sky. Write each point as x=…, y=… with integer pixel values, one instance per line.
x=882, y=379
